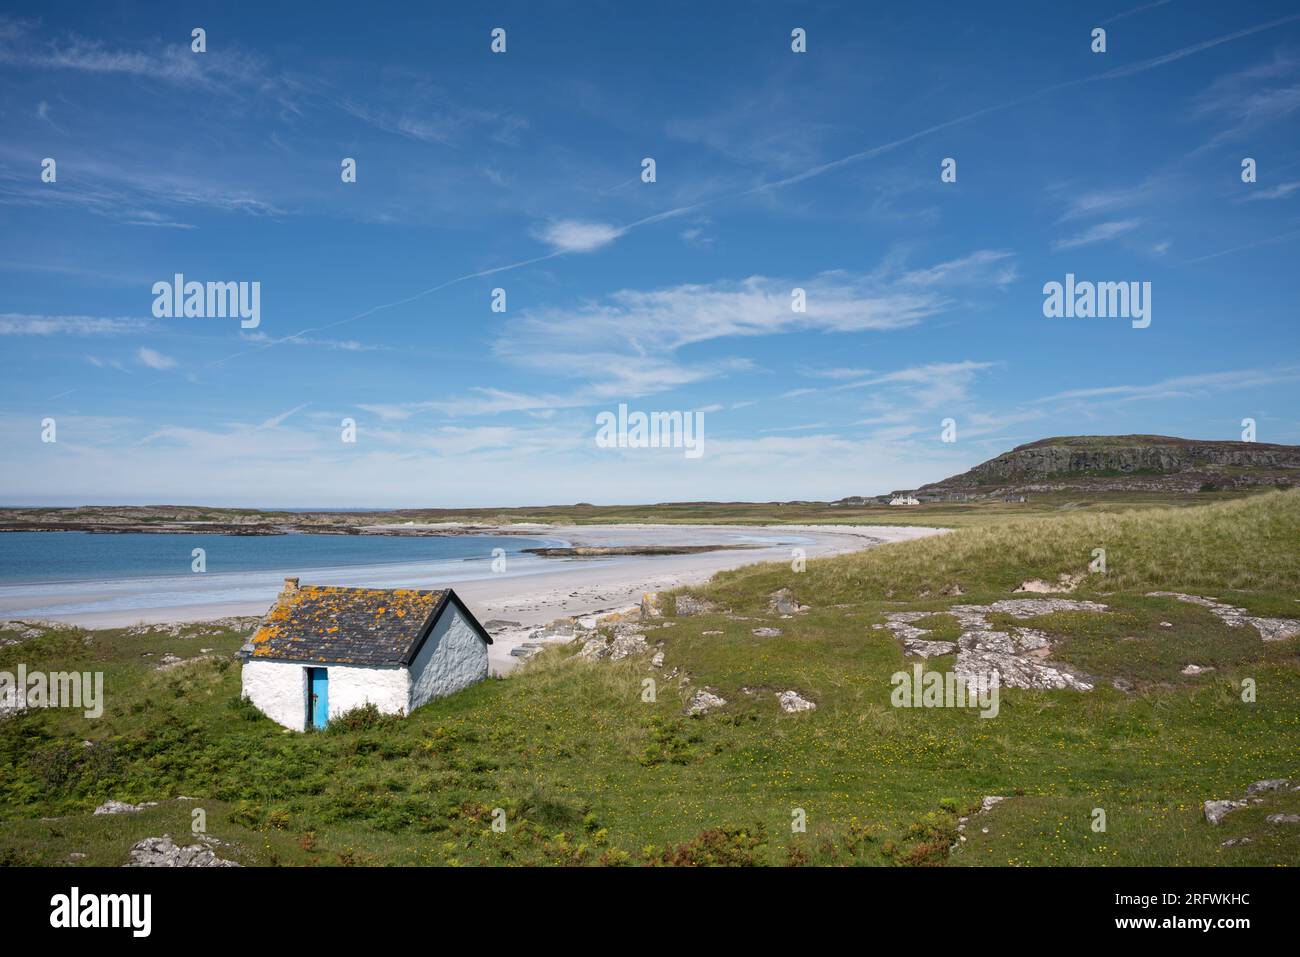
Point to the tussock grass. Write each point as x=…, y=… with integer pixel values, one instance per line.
x=1249, y=543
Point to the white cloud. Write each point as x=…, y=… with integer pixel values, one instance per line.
x=154, y=359
x=577, y=236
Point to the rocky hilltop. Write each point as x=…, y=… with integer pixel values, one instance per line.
x=1127, y=462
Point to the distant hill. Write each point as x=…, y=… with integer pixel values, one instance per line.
x=1127, y=462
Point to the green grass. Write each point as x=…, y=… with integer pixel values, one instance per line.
x=586, y=771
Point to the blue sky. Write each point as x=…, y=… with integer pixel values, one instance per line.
x=521, y=170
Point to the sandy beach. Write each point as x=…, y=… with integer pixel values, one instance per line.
x=531, y=593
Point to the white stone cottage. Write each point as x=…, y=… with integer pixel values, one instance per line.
x=904, y=500
x=323, y=650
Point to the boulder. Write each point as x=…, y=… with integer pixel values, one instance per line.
x=688, y=605
x=783, y=602
x=704, y=701
x=792, y=702
x=1216, y=810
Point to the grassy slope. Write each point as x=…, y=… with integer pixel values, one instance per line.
x=587, y=771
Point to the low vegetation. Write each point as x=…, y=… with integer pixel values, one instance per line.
x=567, y=762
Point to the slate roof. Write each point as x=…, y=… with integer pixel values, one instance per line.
x=354, y=626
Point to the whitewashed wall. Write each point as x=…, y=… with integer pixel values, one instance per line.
x=453, y=657
x=279, y=689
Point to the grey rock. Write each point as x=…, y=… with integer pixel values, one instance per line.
x=928, y=649
x=783, y=602
x=792, y=702
x=1283, y=819
x=704, y=701
x=1269, y=629
x=688, y=605
x=164, y=852
x=1215, y=810
x=1268, y=784
x=767, y=632
x=1193, y=670
x=121, y=807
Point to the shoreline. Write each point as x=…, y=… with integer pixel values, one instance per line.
x=549, y=589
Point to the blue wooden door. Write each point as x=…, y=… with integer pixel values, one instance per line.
x=318, y=697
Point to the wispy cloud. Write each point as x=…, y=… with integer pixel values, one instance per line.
x=21, y=324
x=1100, y=233
x=1280, y=191
x=155, y=359
x=1182, y=387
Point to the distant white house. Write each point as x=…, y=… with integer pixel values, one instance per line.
x=903, y=500
x=322, y=651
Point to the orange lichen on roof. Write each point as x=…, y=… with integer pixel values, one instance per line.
x=332, y=623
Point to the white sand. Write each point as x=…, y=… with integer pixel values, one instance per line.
x=545, y=590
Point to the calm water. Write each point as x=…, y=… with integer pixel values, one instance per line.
x=48, y=557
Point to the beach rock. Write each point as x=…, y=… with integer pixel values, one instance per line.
x=792, y=702
x=163, y=852
x=688, y=605
x=704, y=701
x=650, y=605
x=1215, y=810
x=767, y=632
x=493, y=625
x=783, y=602
x=625, y=645
x=1283, y=819
x=121, y=807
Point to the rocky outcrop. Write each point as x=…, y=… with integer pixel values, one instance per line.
x=1270, y=629
x=1016, y=656
x=164, y=852
x=121, y=807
